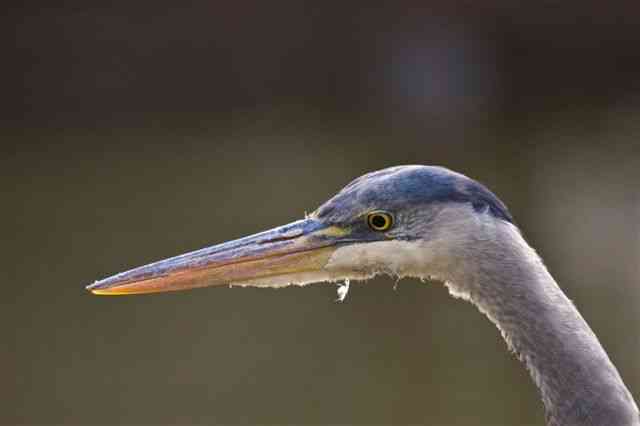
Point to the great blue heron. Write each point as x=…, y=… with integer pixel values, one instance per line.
x=425, y=222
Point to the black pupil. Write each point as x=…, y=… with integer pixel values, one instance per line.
x=378, y=221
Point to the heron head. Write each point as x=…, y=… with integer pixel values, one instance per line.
x=373, y=225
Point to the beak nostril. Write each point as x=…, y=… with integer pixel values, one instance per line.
x=283, y=237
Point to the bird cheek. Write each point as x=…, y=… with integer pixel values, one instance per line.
x=364, y=260
x=352, y=261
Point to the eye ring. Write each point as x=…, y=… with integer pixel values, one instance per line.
x=379, y=220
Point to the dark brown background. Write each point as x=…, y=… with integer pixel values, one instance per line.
x=136, y=131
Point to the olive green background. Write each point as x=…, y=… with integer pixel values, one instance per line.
x=134, y=132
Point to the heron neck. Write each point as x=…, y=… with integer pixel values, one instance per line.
x=510, y=284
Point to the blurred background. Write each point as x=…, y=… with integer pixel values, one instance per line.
x=134, y=131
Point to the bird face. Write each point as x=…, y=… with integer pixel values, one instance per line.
x=373, y=225
x=297, y=253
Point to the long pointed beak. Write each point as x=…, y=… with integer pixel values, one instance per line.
x=293, y=253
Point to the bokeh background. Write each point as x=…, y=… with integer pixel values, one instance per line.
x=133, y=131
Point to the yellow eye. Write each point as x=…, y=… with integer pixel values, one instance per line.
x=379, y=221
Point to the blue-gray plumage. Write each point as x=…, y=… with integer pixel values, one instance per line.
x=425, y=222
x=398, y=187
